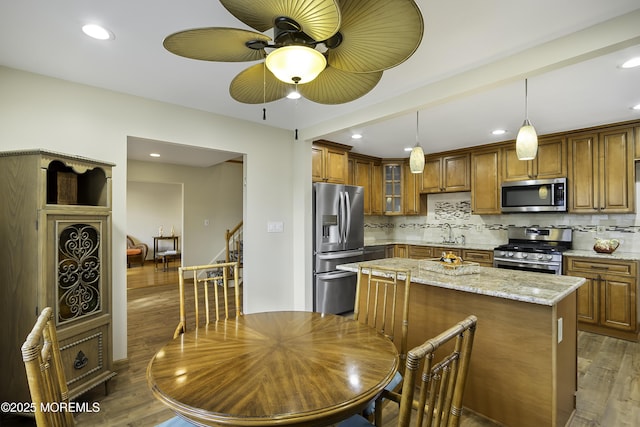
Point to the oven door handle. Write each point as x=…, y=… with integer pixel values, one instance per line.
x=524, y=261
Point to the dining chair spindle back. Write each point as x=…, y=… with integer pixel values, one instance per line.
x=45, y=373
x=382, y=296
x=206, y=276
x=379, y=304
x=439, y=387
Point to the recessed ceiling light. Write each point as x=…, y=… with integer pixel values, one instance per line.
x=631, y=63
x=356, y=136
x=499, y=132
x=97, y=32
x=636, y=107
x=408, y=148
x=154, y=155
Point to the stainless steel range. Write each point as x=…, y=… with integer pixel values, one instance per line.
x=537, y=249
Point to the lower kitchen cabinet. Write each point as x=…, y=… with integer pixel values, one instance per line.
x=608, y=300
x=484, y=258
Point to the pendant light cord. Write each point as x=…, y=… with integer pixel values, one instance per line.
x=417, y=127
x=526, y=101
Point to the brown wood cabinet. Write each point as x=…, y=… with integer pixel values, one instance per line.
x=392, y=174
x=601, y=171
x=366, y=171
x=482, y=257
x=636, y=134
x=608, y=301
x=56, y=219
x=550, y=162
x=329, y=162
x=485, y=181
x=445, y=173
x=412, y=202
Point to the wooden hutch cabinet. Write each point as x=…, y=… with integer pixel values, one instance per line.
x=56, y=231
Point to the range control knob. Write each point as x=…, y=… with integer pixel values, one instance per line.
x=510, y=254
x=523, y=255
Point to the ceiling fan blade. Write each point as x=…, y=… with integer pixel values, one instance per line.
x=377, y=34
x=256, y=85
x=335, y=86
x=319, y=19
x=216, y=44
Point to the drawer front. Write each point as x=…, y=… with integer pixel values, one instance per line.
x=595, y=265
x=420, y=252
x=481, y=257
x=83, y=356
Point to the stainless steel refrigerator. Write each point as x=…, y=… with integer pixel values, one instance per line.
x=338, y=238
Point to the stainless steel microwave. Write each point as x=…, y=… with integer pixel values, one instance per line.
x=535, y=195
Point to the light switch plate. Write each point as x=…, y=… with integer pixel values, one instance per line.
x=275, y=227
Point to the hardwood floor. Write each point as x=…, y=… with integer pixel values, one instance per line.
x=608, y=379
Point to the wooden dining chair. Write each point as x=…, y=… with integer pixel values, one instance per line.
x=382, y=301
x=439, y=387
x=45, y=373
x=204, y=277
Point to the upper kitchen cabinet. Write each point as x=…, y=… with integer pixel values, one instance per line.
x=366, y=171
x=446, y=173
x=636, y=132
x=485, y=181
x=550, y=162
x=329, y=162
x=412, y=199
x=601, y=171
x=392, y=184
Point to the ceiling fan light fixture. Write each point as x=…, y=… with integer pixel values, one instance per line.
x=527, y=139
x=296, y=64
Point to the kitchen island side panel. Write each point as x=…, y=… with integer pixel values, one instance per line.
x=518, y=375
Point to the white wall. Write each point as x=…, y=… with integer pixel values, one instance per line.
x=151, y=205
x=42, y=112
x=213, y=193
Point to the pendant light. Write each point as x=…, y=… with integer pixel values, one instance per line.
x=527, y=140
x=416, y=159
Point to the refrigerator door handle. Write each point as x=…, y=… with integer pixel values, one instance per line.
x=341, y=254
x=347, y=230
x=341, y=223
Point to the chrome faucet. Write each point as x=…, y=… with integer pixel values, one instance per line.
x=450, y=238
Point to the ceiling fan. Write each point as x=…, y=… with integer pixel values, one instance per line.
x=347, y=42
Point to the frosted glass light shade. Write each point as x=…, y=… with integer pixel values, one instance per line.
x=527, y=142
x=416, y=160
x=296, y=64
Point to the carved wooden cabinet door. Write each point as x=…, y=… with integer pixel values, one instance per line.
x=78, y=268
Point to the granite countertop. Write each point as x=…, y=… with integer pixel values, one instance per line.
x=477, y=246
x=617, y=255
x=536, y=288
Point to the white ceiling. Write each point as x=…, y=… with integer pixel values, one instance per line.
x=467, y=77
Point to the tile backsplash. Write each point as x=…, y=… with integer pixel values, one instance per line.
x=455, y=209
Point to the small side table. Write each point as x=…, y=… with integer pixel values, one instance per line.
x=163, y=255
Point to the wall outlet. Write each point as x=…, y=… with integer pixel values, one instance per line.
x=206, y=222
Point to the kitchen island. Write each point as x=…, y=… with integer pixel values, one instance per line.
x=524, y=363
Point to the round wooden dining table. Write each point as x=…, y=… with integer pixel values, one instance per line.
x=287, y=368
